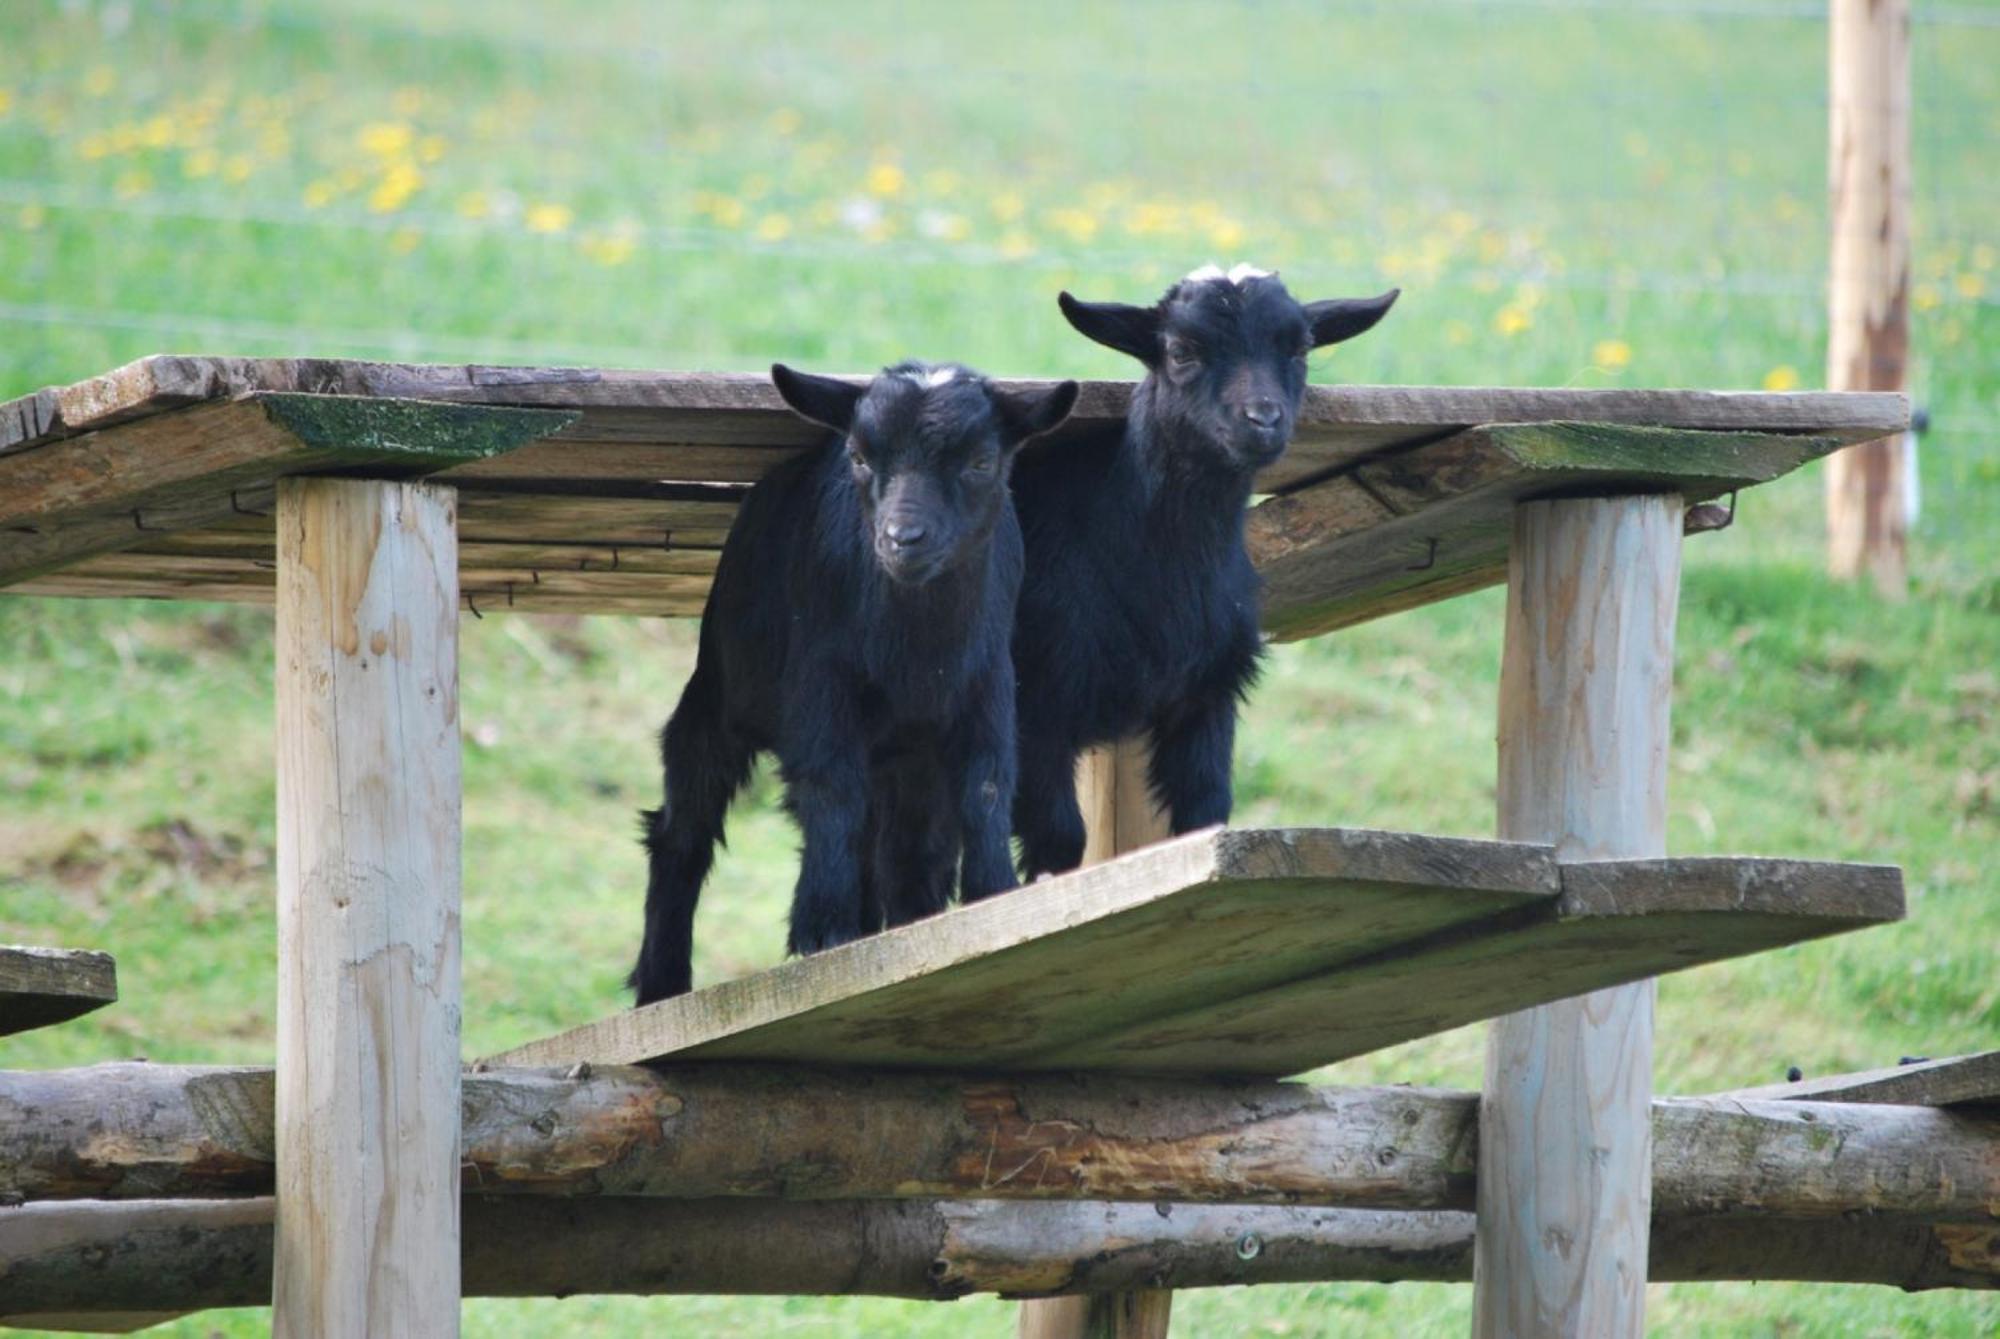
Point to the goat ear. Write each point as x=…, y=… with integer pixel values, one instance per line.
x=826, y=401
x=1344, y=318
x=1027, y=414
x=1133, y=330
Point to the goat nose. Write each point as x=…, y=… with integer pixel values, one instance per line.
x=1263, y=412
x=903, y=533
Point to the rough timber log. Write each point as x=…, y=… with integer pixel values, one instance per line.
x=143, y=1131
x=159, y=1256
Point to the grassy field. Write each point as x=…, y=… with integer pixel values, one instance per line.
x=1611, y=196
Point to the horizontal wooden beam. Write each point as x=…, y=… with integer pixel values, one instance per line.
x=1412, y=526
x=109, y=491
x=161, y=1256
x=146, y=1131
x=40, y=986
x=1959, y=1080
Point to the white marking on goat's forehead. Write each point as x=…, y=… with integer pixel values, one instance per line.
x=1238, y=274
x=930, y=378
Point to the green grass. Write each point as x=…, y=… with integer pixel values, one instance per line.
x=1613, y=197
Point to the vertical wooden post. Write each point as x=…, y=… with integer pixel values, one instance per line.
x=1868, y=315
x=1565, y=1143
x=368, y=904
x=1118, y=816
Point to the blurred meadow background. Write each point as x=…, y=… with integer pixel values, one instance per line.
x=1570, y=194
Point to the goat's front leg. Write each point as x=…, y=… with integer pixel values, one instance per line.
x=825, y=762
x=986, y=780
x=1192, y=752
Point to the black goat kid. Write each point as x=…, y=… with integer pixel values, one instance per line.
x=1139, y=609
x=858, y=628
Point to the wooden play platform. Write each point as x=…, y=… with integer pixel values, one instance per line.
x=1064, y=1091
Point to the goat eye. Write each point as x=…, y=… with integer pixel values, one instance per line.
x=855, y=459
x=982, y=466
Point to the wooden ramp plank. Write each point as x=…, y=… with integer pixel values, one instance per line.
x=40, y=986
x=1252, y=953
x=1959, y=1080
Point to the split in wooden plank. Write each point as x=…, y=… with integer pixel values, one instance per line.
x=157, y=1256
x=110, y=491
x=40, y=986
x=1243, y=952
x=1959, y=1080
x=1436, y=520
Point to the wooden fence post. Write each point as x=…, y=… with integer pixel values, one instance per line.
x=1565, y=1147
x=367, y=1097
x=1118, y=816
x=1868, y=314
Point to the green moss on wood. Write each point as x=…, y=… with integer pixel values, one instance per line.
x=412, y=432
x=1622, y=454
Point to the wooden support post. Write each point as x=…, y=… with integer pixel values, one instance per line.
x=1118, y=816
x=1868, y=313
x=1565, y=1150
x=367, y=1101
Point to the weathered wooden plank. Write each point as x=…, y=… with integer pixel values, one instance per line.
x=366, y=1107
x=164, y=1255
x=742, y=407
x=1959, y=1080
x=1436, y=520
x=1253, y=953
x=108, y=491
x=40, y=986
x=1010, y=978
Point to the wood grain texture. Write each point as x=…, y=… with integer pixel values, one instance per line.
x=40, y=986
x=1414, y=526
x=1960, y=1080
x=136, y=1131
x=1007, y=981
x=1868, y=293
x=163, y=1256
x=1215, y=953
x=111, y=490
x=1119, y=816
x=1586, y=682
x=367, y=1093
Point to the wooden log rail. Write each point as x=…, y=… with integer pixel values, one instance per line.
x=143, y=1131
x=156, y=1258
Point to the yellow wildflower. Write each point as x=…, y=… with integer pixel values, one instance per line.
x=200, y=163
x=1512, y=319
x=756, y=186
x=884, y=179
x=726, y=210
x=408, y=101
x=474, y=205
x=385, y=139
x=6, y=101
x=1925, y=297
x=1969, y=285
x=1783, y=377
x=1076, y=224
x=1227, y=234
x=398, y=184
x=430, y=148
x=773, y=228
x=132, y=183
x=1457, y=332
x=404, y=240
x=547, y=217
x=1015, y=245
x=318, y=194
x=1983, y=254
x=157, y=133
x=32, y=217
x=785, y=121
x=1008, y=206
x=94, y=146
x=236, y=168
x=1611, y=354
x=101, y=80
x=612, y=249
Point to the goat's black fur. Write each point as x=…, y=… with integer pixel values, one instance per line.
x=1138, y=612
x=858, y=628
